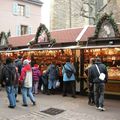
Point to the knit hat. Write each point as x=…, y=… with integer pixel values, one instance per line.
x=26, y=61
x=36, y=65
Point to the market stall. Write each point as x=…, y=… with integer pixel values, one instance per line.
x=106, y=44
x=44, y=56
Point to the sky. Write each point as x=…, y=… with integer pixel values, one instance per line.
x=46, y=13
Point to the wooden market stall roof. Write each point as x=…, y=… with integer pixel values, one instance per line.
x=61, y=36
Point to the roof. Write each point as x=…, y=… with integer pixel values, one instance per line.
x=66, y=35
x=70, y=35
x=88, y=33
x=20, y=41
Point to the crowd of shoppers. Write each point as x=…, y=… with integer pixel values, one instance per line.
x=19, y=75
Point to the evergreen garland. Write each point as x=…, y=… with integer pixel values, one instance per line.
x=39, y=32
x=111, y=20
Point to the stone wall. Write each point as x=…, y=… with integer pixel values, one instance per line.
x=62, y=18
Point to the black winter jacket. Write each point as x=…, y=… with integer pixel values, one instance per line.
x=93, y=74
x=9, y=74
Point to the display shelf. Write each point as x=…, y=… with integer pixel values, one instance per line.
x=110, y=57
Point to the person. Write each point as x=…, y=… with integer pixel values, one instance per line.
x=18, y=64
x=45, y=82
x=26, y=81
x=90, y=84
x=36, y=76
x=68, y=79
x=99, y=85
x=1, y=68
x=8, y=77
x=52, y=76
x=16, y=83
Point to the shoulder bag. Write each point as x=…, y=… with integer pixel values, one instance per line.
x=101, y=75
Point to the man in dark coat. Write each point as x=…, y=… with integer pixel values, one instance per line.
x=8, y=77
x=99, y=85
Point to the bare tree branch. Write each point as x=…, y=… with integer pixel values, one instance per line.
x=104, y=6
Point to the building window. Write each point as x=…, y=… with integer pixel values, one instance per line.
x=21, y=10
x=24, y=29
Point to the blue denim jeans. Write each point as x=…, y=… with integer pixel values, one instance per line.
x=27, y=92
x=16, y=91
x=11, y=95
x=51, y=83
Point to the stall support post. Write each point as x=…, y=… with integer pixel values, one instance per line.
x=81, y=72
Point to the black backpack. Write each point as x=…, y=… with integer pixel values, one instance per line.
x=9, y=75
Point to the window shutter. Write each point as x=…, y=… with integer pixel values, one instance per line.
x=18, y=31
x=15, y=9
x=30, y=30
x=27, y=11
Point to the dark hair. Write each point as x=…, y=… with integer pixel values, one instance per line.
x=68, y=59
x=19, y=56
x=8, y=60
x=98, y=59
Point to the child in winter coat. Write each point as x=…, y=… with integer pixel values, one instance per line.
x=36, y=77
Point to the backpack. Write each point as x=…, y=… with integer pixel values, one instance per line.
x=9, y=75
x=68, y=72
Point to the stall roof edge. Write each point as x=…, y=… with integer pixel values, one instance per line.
x=36, y=49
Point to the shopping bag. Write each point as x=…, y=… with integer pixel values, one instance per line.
x=57, y=83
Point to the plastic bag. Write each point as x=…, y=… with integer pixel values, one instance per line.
x=57, y=83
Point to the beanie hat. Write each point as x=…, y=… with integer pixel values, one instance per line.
x=26, y=61
x=36, y=65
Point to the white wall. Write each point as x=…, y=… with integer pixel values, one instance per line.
x=8, y=21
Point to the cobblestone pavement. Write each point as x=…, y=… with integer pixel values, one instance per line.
x=75, y=109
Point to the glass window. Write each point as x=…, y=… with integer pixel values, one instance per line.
x=24, y=29
x=21, y=10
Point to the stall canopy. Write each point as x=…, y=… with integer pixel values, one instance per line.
x=66, y=36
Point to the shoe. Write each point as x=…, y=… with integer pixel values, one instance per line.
x=11, y=106
x=34, y=103
x=101, y=108
x=25, y=105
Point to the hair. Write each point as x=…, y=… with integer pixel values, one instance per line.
x=8, y=60
x=98, y=59
x=68, y=59
x=19, y=56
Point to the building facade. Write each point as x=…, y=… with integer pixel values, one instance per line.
x=64, y=14
x=78, y=13
x=20, y=16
